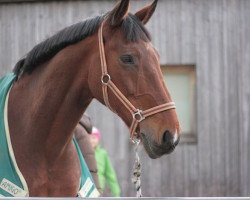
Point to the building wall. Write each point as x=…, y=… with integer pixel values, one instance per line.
x=215, y=36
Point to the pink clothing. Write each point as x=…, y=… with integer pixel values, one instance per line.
x=96, y=133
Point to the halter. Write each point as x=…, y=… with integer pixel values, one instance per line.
x=137, y=114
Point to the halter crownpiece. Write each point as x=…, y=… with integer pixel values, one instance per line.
x=137, y=114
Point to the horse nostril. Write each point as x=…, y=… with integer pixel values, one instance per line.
x=167, y=137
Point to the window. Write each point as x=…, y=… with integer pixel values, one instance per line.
x=181, y=81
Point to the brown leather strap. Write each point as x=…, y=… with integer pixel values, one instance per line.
x=137, y=114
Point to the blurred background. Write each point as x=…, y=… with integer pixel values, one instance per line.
x=205, y=58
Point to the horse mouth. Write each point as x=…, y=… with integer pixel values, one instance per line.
x=153, y=149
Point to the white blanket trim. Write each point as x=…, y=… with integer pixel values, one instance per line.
x=25, y=186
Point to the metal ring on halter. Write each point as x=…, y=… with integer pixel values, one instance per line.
x=107, y=77
x=135, y=141
x=138, y=115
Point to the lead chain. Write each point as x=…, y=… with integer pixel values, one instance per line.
x=136, y=179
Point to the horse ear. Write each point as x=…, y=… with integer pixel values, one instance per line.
x=146, y=13
x=119, y=12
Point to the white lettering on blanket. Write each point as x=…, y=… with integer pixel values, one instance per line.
x=12, y=189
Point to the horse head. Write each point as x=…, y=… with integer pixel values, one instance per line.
x=132, y=83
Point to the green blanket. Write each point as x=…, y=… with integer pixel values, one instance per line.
x=12, y=182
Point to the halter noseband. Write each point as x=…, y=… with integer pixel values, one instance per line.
x=137, y=114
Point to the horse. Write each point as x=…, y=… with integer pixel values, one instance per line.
x=110, y=58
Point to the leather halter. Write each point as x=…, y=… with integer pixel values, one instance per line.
x=137, y=114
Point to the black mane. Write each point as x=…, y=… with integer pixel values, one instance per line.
x=132, y=28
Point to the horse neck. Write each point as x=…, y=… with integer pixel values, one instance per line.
x=52, y=99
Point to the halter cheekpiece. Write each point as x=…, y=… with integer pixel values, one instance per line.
x=138, y=115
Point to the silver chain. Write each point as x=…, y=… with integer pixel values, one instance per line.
x=136, y=179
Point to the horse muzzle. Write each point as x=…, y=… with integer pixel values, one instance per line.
x=156, y=150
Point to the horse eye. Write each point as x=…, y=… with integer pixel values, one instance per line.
x=127, y=59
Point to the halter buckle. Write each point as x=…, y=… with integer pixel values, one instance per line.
x=138, y=115
x=105, y=79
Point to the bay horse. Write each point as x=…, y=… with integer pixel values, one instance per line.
x=109, y=58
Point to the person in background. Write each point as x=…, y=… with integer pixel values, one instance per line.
x=105, y=170
x=81, y=133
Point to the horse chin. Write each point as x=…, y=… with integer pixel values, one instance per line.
x=153, y=149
